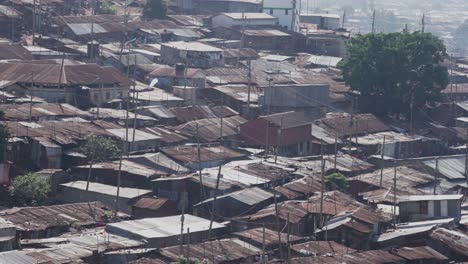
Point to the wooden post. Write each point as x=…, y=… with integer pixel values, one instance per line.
x=202, y=194
x=288, y=240
x=278, y=227
x=263, y=244
x=394, y=195
x=382, y=161
x=182, y=218
x=336, y=150
x=322, y=189
x=436, y=176
x=31, y=97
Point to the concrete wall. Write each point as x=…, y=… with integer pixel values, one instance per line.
x=283, y=10
x=313, y=95
x=427, y=210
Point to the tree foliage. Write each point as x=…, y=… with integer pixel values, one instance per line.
x=107, y=8
x=392, y=70
x=4, y=135
x=155, y=9
x=29, y=190
x=336, y=181
x=99, y=149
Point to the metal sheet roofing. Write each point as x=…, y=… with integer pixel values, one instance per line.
x=95, y=187
x=452, y=167
x=160, y=227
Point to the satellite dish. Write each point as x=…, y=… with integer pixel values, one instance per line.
x=154, y=82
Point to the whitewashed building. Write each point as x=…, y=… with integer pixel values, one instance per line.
x=287, y=11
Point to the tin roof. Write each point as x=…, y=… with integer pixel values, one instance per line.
x=250, y=196
x=160, y=227
x=255, y=236
x=218, y=251
x=188, y=154
x=94, y=187
x=246, y=15
x=43, y=217
x=190, y=46
x=209, y=129
x=21, y=112
x=320, y=248
x=452, y=239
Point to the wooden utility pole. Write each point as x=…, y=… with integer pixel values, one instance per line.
x=288, y=240
x=293, y=19
x=344, y=18
x=423, y=23
x=394, y=194
x=411, y=112
x=218, y=177
x=278, y=227
x=119, y=176
x=279, y=135
x=182, y=219
x=373, y=21
x=322, y=189
x=188, y=244
x=263, y=244
x=202, y=193
x=382, y=150
x=34, y=23
x=466, y=155
x=249, y=87
x=31, y=97
x=436, y=176
x=336, y=151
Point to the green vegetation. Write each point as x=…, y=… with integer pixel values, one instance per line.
x=336, y=181
x=4, y=135
x=98, y=149
x=155, y=9
x=107, y=8
x=29, y=190
x=392, y=71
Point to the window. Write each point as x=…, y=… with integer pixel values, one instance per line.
x=271, y=11
x=108, y=96
x=286, y=11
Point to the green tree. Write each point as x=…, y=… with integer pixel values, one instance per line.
x=29, y=190
x=336, y=181
x=155, y=9
x=107, y=8
x=392, y=71
x=4, y=135
x=98, y=149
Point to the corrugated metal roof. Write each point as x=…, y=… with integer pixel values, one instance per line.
x=160, y=227
x=320, y=248
x=452, y=239
x=250, y=196
x=189, y=154
x=100, y=188
x=139, y=135
x=65, y=215
x=452, y=167
x=438, y=197
x=190, y=46
x=271, y=236
x=218, y=251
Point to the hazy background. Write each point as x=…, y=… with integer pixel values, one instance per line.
x=443, y=18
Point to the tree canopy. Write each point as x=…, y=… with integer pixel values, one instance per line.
x=155, y=9
x=99, y=149
x=336, y=181
x=29, y=190
x=4, y=135
x=392, y=70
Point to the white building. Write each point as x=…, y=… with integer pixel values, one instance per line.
x=244, y=19
x=323, y=21
x=287, y=11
